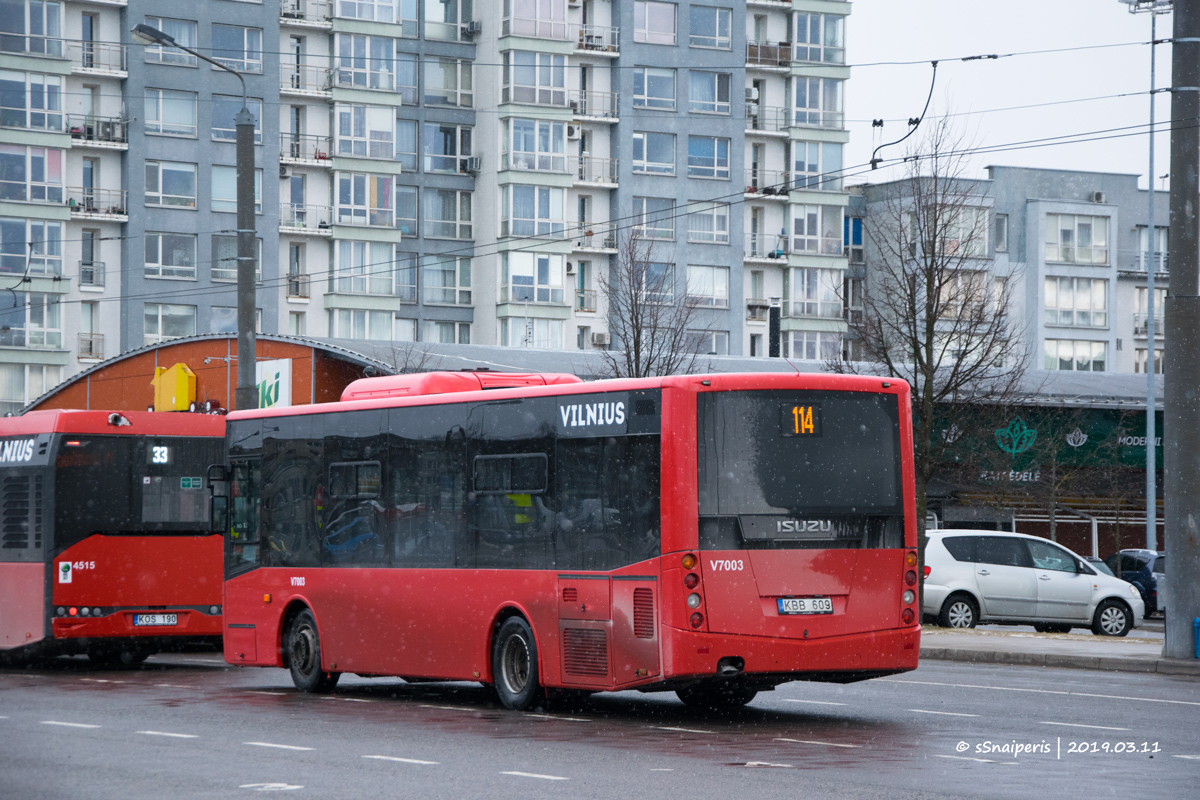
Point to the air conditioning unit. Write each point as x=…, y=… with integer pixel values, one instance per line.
x=107, y=131
x=283, y=170
x=472, y=29
x=599, y=339
x=570, y=267
x=1097, y=197
x=474, y=164
x=574, y=106
x=752, y=94
x=573, y=131
x=574, y=2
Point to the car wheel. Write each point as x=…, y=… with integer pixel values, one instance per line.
x=515, y=665
x=716, y=697
x=1113, y=618
x=304, y=656
x=959, y=611
x=1051, y=627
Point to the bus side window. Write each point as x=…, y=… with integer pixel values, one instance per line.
x=245, y=488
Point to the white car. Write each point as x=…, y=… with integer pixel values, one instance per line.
x=988, y=576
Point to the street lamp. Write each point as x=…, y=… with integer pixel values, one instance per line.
x=1154, y=8
x=246, y=394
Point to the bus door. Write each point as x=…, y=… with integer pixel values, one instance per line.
x=584, y=627
x=635, y=627
x=241, y=552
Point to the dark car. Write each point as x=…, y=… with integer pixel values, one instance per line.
x=1145, y=570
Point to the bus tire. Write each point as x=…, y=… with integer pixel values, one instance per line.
x=515, y=665
x=113, y=657
x=304, y=656
x=716, y=697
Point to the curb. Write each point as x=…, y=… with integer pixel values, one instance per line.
x=1161, y=666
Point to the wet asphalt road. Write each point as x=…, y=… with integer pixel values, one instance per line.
x=187, y=726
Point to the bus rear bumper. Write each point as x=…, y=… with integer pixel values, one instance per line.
x=189, y=622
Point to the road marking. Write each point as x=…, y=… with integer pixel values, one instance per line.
x=448, y=708
x=814, y=702
x=810, y=741
x=280, y=746
x=535, y=775
x=273, y=694
x=172, y=735
x=403, y=760
x=679, y=730
x=1191, y=758
x=101, y=680
x=1077, y=725
x=68, y=724
x=355, y=700
x=173, y=686
x=942, y=713
x=766, y=764
x=271, y=787
x=1042, y=691
x=553, y=716
x=672, y=769
x=980, y=760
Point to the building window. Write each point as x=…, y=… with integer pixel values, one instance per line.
x=448, y=332
x=34, y=27
x=445, y=18
x=532, y=278
x=296, y=326
x=708, y=286
x=32, y=320
x=1076, y=356
x=163, y=321
x=815, y=293
x=654, y=88
x=448, y=83
x=708, y=222
x=406, y=78
x=537, y=145
x=364, y=268
x=365, y=62
x=446, y=280
x=1139, y=360
x=170, y=184
x=379, y=11
x=170, y=113
x=818, y=102
x=359, y=323
x=364, y=199
x=852, y=239
x=223, y=319
x=817, y=165
x=21, y=384
x=225, y=259
x=654, y=23
x=852, y=295
x=534, y=78
x=33, y=174
x=1000, y=232
x=963, y=294
x=224, y=189
x=711, y=343
x=182, y=31
x=708, y=157
x=170, y=255
x=447, y=147
x=406, y=210
x=365, y=131
x=406, y=144
x=535, y=19
x=543, y=334
x=1073, y=239
x=654, y=217
x=30, y=246
x=406, y=279
x=225, y=109
x=447, y=214
x=654, y=153
x=1080, y=302
x=532, y=211
x=656, y=281
x=819, y=38
x=1160, y=248
x=30, y=100
x=708, y=92
x=812, y=345
x=237, y=47
x=710, y=27
x=817, y=229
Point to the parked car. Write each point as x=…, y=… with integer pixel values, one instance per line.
x=1144, y=569
x=1098, y=565
x=1011, y=578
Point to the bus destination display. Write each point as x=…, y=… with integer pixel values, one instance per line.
x=801, y=419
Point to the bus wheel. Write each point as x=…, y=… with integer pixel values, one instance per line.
x=117, y=657
x=515, y=665
x=715, y=697
x=304, y=656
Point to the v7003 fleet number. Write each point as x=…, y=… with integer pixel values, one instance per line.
x=727, y=565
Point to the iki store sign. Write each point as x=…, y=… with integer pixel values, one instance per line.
x=274, y=379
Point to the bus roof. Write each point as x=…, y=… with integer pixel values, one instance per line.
x=137, y=423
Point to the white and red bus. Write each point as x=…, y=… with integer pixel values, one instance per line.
x=712, y=535
x=105, y=542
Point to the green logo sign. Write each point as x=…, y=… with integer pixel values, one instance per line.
x=191, y=483
x=1016, y=438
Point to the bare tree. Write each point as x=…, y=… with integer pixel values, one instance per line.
x=935, y=312
x=654, y=330
x=409, y=357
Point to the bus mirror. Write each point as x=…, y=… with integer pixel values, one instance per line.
x=217, y=473
x=219, y=513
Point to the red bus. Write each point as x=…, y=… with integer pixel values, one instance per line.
x=105, y=542
x=712, y=535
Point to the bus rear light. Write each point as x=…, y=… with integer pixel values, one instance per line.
x=692, y=580
x=910, y=578
x=907, y=616
x=688, y=561
x=696, y=620
x=60, y=611
x=214, y=610
x=85, y=611
x=266, y=598
x=72, y=611
x=910, y=559
x=909, y=597
x=693, y=600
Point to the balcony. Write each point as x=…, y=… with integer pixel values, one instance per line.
x=1160, y=263
x=31, y=45
x=773, y=56
x=600, y=106
x=596, y=40
x=594, y=171
x=816, y=118
x=1141, y=323
x=766, y=120
x=525, y=161
x=298, y=286
x=769, y=246
x=535, y=28
x=107, y=133
x=305, y=220
x=813, y=309
x=758, y=309
x=98, y=58
x=91, y=347
x=306, y=14
x=91, y=274
x=589, y=238
x=87, y=202
x=304, y=149
x=585, y=300
x=304, y=80
x=767, y=184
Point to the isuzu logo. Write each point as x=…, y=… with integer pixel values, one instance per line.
x=803, y=525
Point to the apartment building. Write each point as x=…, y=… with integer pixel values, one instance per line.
x=427, y=170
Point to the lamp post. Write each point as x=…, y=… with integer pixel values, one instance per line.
x=246, y=394
x=1154, y=8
